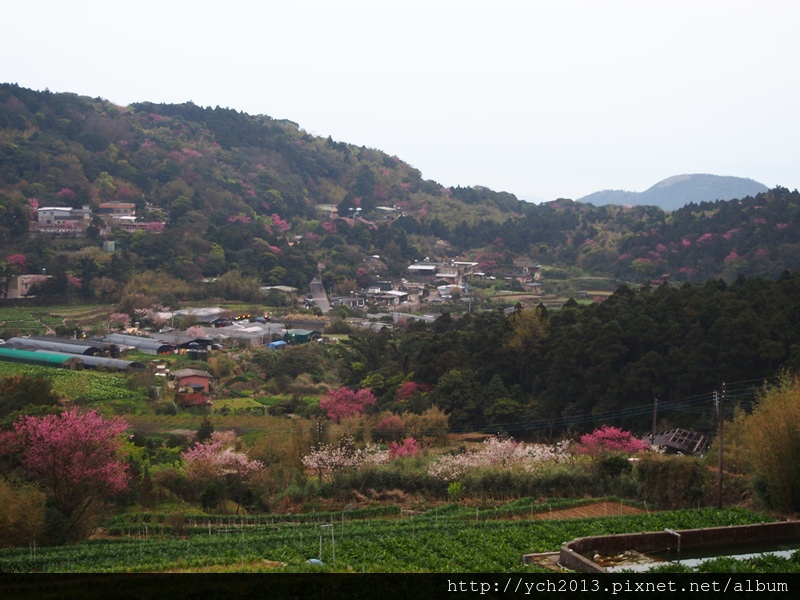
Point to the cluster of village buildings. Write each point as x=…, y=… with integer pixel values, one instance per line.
x=66, y=220
x=437, y=282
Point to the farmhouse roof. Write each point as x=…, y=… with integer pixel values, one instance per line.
x=181, y=373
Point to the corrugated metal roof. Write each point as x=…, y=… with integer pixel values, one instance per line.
x=53, y=344
x=107, y=363
x=191, y=372
x=39, y=358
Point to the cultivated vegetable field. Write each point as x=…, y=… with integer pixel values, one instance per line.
x=430, y=542
x=101, y=388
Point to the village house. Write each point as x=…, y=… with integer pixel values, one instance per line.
x=63, y=216
x=119, y=214
x=20, y=286
x=455, y=273
x=198, y=381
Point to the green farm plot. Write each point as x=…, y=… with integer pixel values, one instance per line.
x=367, y=545
x=38, y=320
x=104, y=390
x=236, y=404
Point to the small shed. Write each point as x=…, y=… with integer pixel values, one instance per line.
x=301, y=336
x=684, y=441
x=198, y=380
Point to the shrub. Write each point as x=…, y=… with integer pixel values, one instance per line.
x=771, y=444
x=454, y=491
x=22, y=508
x=671, y=482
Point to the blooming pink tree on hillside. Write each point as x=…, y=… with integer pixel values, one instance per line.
x=218, y=465
x=218, y=458
x=610, y=439
x=345, y=402
x=120, y=320
x=18, y=261
x=279, y=223
x=409, y=388
x=74, y=456
x=196, y=331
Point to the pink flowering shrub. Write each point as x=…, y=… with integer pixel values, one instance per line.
x=609, y=440
x=344, y=402
x=407, y=449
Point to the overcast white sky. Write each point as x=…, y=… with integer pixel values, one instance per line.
x=541, y=98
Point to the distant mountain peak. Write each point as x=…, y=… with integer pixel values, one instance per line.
x=674, y=179
x=679, y=190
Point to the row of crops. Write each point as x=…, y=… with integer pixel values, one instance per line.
x=435, y=543
x=157, y=523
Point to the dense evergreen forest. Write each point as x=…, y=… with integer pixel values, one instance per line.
x=536, y=372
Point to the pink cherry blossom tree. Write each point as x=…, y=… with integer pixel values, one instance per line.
x=279, y=223
x=219, y=461
x=610, y=440
x=120, y=320
x=344, y=402
x=18, y=261
x=74, y=456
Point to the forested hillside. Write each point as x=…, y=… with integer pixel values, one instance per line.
x=250, y=197
x=539, y=372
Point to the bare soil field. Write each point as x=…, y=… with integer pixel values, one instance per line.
x=600, y=509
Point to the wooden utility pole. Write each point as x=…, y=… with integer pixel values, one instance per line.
x=655, y=415
x=721, y=445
